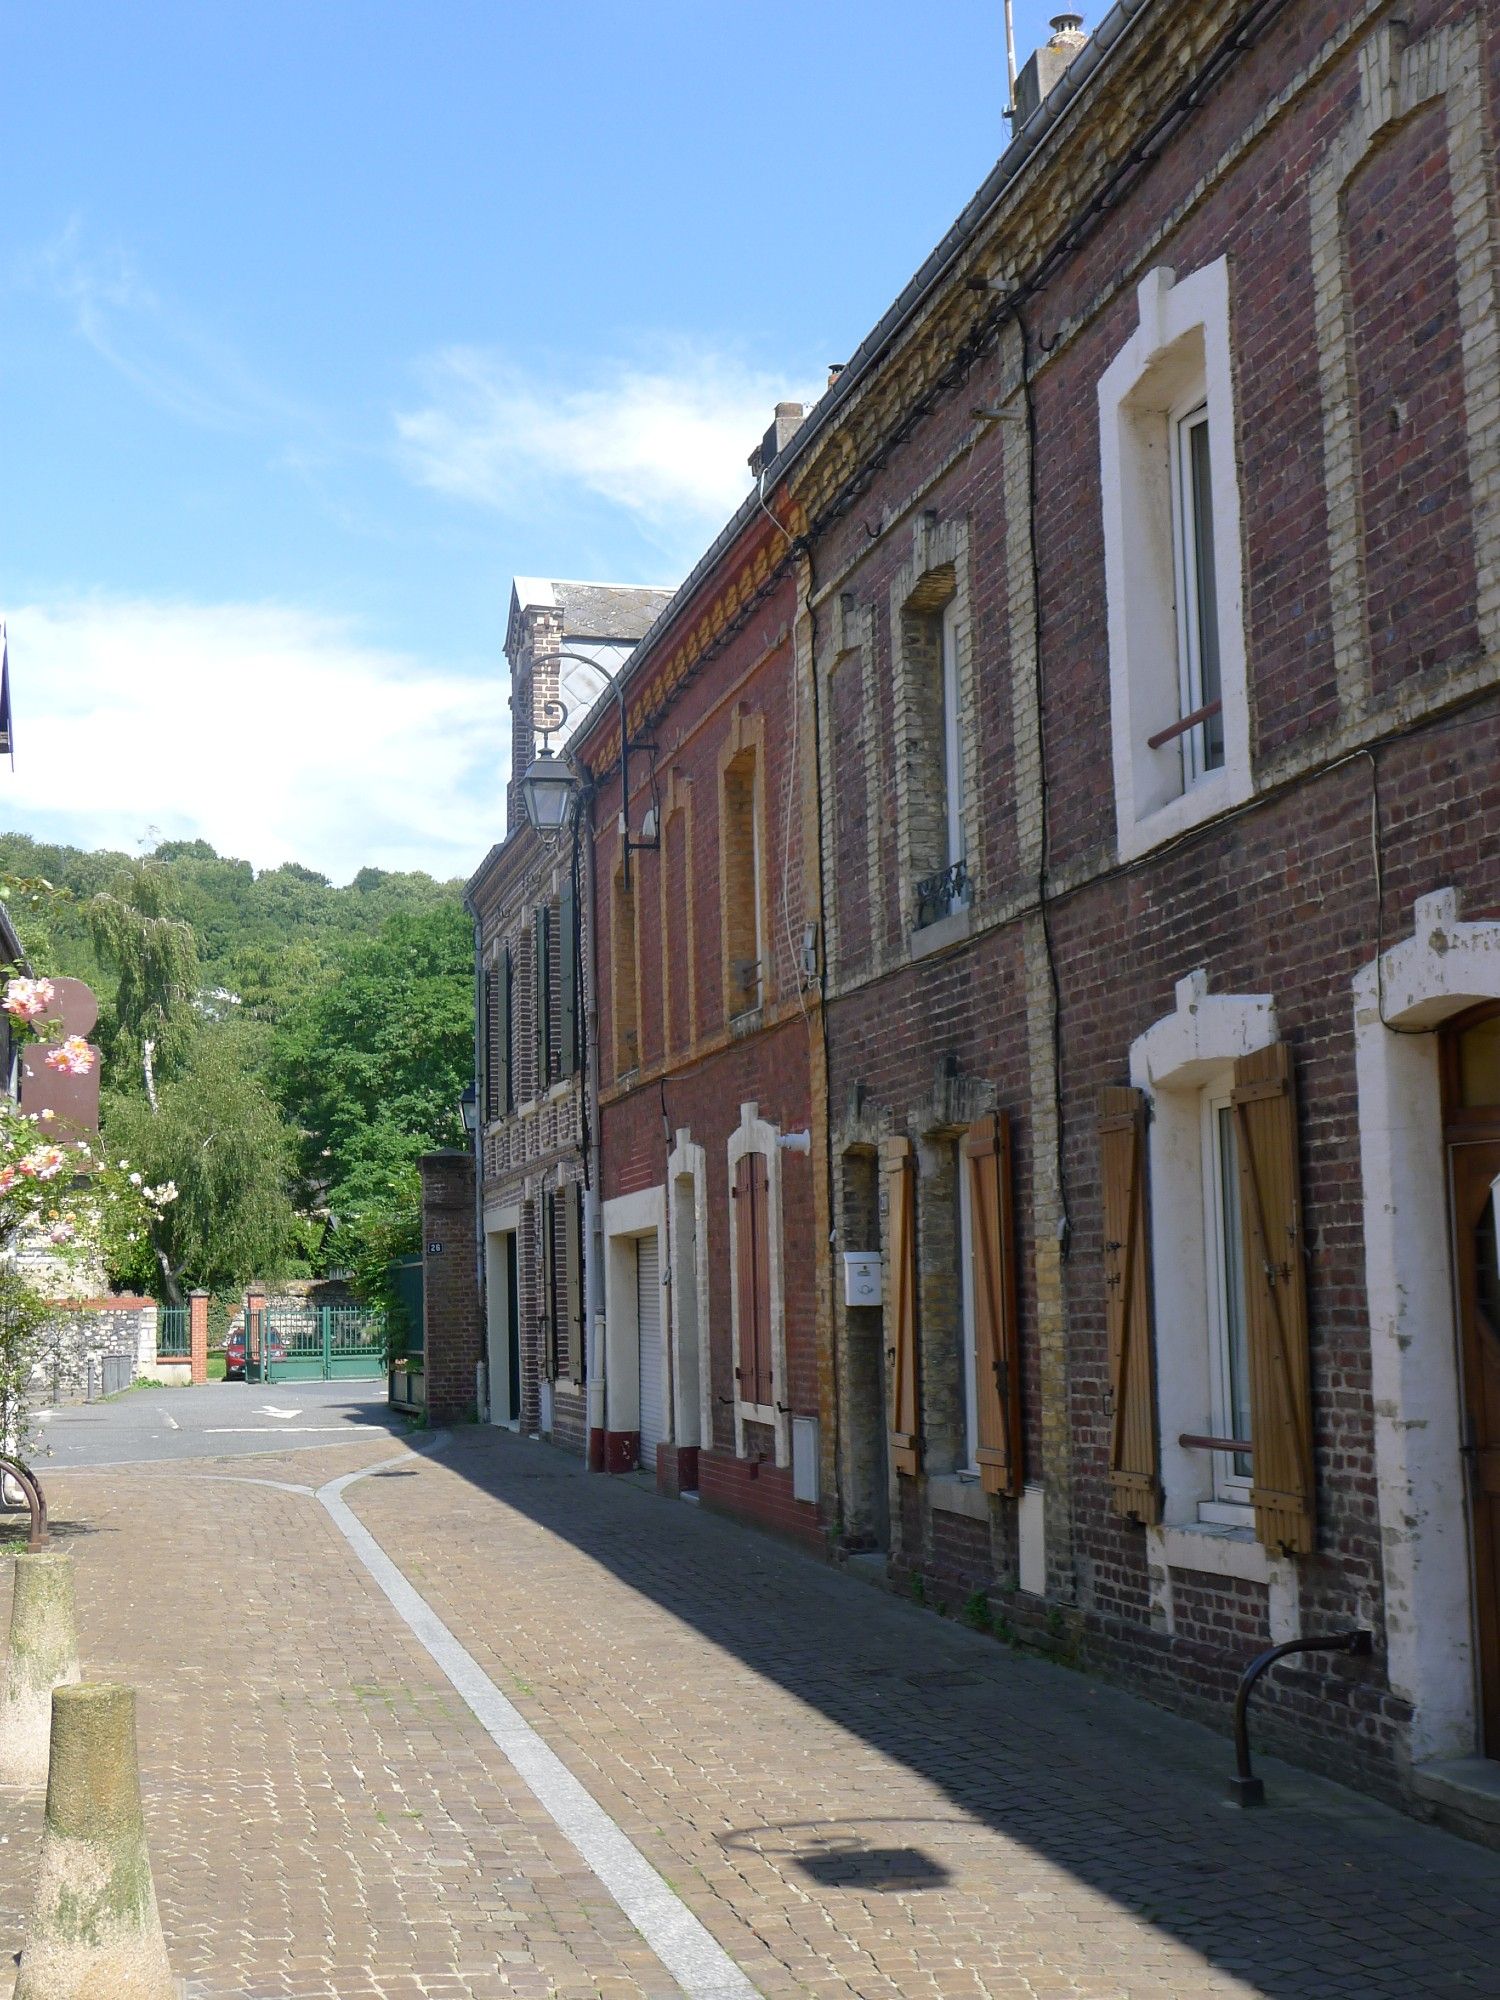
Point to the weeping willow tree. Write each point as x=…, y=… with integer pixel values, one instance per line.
x=154, y=958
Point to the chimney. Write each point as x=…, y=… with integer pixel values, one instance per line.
x=1045, y=68
x=787, y=423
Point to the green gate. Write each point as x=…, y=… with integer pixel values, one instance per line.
x=322, y=1344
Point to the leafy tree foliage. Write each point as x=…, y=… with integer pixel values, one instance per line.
x=371, y=1064
x=309, y=1043
x=218, y=1135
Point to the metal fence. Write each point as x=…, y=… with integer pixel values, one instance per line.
x=172, y=1340
x=327, y=1343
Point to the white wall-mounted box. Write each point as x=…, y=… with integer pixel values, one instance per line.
x=804, y=1458
x=861, y=1277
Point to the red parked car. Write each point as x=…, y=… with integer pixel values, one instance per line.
x=234, y=1350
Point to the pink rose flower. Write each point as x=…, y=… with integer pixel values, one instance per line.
x=26, y=998
x=73, y=1057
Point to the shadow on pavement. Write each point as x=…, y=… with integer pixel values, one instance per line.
x=1322, y=1892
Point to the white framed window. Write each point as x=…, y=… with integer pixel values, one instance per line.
x=1199, y=685
x=953, y=744
x=1179, y=701
x=1224, y=1298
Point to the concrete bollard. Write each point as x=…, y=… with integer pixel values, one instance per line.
x=43, y=1655
x=95, y=1932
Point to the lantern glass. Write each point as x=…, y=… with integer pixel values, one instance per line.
x=549, y=788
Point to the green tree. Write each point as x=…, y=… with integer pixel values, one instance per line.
x=217, y=1136
x=153, y=955
x=371, y=1064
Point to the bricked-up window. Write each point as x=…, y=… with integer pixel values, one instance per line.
x=743, y=940
x=623, y=976
x=1179, y=702
x=935, y=750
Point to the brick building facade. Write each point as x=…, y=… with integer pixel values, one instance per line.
x=1152, y=562
x=563, y=642
x=1065, y=793
x=709, y=1178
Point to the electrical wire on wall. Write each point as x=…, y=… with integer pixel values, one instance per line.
x=1044, y=830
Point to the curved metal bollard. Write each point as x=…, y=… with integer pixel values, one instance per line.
x=36, y=1499
x=1244, y=1787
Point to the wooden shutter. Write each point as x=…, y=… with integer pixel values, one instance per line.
x=899, y=1168
x=992, y=1254
x=491, y=1068
x=752, y=1263
x=567, y=928
x=547, y=1280
x=501, y=1083
x=1133, y=1467
x=1265, y=1117
x=573, y=1277
x=542, y=966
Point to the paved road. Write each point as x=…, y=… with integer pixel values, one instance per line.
x=348, y=1707
x=222, y=1419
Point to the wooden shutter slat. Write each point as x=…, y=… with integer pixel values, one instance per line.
x=567, y=929
x=1134, y=1474
x=542, y=965
x=547, y=1282
x=491, y=1066
x=573, y=1266
x=900, y=1180
x=1265, y=1114
x=505, y=1086
x=987, y=1162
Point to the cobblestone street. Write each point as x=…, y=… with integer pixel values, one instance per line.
x=850, y=1795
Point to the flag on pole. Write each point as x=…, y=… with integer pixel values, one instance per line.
x=7, y=736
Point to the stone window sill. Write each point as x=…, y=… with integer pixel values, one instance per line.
x=1210, y=1549
x=958, y=1493
x=949, y=930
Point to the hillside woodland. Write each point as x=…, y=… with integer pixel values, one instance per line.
x=279, y=1048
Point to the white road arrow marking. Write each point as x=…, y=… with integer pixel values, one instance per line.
x=170, y=1422
x=270, y=1410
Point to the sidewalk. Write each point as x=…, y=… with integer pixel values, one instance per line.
x=854, y=1797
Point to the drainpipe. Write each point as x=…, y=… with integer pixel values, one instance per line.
x=596, y=1399
x=486, y=1412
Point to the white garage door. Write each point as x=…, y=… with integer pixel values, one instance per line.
x=648, y=1318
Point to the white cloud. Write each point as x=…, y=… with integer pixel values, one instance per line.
x=274, y=733
x=666, y=441
x=154, y=345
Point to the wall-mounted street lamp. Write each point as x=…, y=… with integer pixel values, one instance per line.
x=551, y=786
x=468, y=1108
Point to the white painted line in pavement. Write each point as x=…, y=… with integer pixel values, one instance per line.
x=695, y=1959
x=287, y=1430
x=170, y=1421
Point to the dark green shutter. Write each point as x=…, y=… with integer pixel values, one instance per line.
x=573, y=1252
x=567, y=925
x=542, y=956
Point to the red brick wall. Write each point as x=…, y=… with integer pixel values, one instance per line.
x=450, y=1286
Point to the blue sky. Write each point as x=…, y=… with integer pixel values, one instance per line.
x=319, y=322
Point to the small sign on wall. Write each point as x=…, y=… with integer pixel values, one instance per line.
x=861, y=1277
x=434, y=1249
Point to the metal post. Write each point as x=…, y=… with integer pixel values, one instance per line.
x=1244, y=1787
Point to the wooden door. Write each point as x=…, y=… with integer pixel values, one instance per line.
x=1475, y=1170
x=648, y=1324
